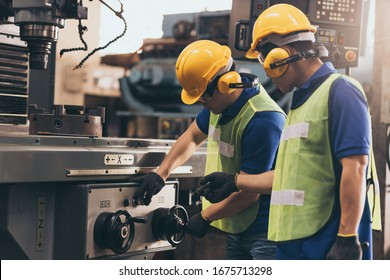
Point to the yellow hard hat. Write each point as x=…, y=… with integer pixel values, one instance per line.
x=280, y=19
x=198, y=64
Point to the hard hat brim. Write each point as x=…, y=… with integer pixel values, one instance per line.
x=187, y=98
x=251, y=54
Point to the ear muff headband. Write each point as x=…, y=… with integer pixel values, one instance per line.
x=230, y=81
x=278, y=59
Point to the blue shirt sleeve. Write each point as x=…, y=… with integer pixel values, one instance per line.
x=260, y=142
x=349, y=120
x=203, y=120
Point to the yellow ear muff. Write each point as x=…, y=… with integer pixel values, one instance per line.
x=226, y=79
x=273, y=56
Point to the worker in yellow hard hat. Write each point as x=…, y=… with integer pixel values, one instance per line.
x=320, y=208
x=242, y=126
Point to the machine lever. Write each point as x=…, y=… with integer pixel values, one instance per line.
x=140, y=220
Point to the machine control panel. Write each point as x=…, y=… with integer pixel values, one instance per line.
x=337, y=11
x=99, y=221
x=115, y=226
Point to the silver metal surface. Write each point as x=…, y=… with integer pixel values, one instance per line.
x=182, y=170
x=62, y=159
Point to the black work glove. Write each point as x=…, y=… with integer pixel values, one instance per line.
x=197, y=226
x=345, y=248
x=150, y=184
x=217, y=186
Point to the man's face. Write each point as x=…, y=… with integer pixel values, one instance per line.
x=286, y=82
x=216, y=102
x=213, y=100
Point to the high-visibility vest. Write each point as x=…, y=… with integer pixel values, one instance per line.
x=304, y=186
x=224, y=154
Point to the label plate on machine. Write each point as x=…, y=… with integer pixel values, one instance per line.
x=115, y=159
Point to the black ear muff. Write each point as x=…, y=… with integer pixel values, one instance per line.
x=275, y=56
x=228, y=82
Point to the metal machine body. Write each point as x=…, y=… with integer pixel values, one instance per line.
x=53, y=190
x=39, y=23
x=98, y=237
x=66, y=120
x=29, y=31
x=14, y=76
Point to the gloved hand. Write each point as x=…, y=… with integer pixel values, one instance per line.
x=150, y=184
x=345, y=248
x=217, y=186
x=197, y=226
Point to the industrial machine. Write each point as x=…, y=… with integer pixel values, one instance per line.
x=67, y=197
x=64, y=189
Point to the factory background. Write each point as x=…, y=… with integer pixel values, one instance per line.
x=71, y=134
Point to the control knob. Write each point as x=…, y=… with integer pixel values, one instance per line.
x=115, y=231
x=169, y=224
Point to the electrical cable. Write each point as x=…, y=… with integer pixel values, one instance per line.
x=82, y=30
x=118, y=14
x=388, y=150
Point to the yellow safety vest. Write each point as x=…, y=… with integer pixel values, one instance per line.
x=224, y=154
x=304, y=184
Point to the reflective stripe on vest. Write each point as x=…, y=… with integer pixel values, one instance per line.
x=299, y=130
x=288, y=197
x=224, y=154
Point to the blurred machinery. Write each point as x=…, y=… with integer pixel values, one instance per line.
x=151, y=92
x=64, y=190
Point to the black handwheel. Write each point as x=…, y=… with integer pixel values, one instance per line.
x=114, y=231
x=169, y=224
